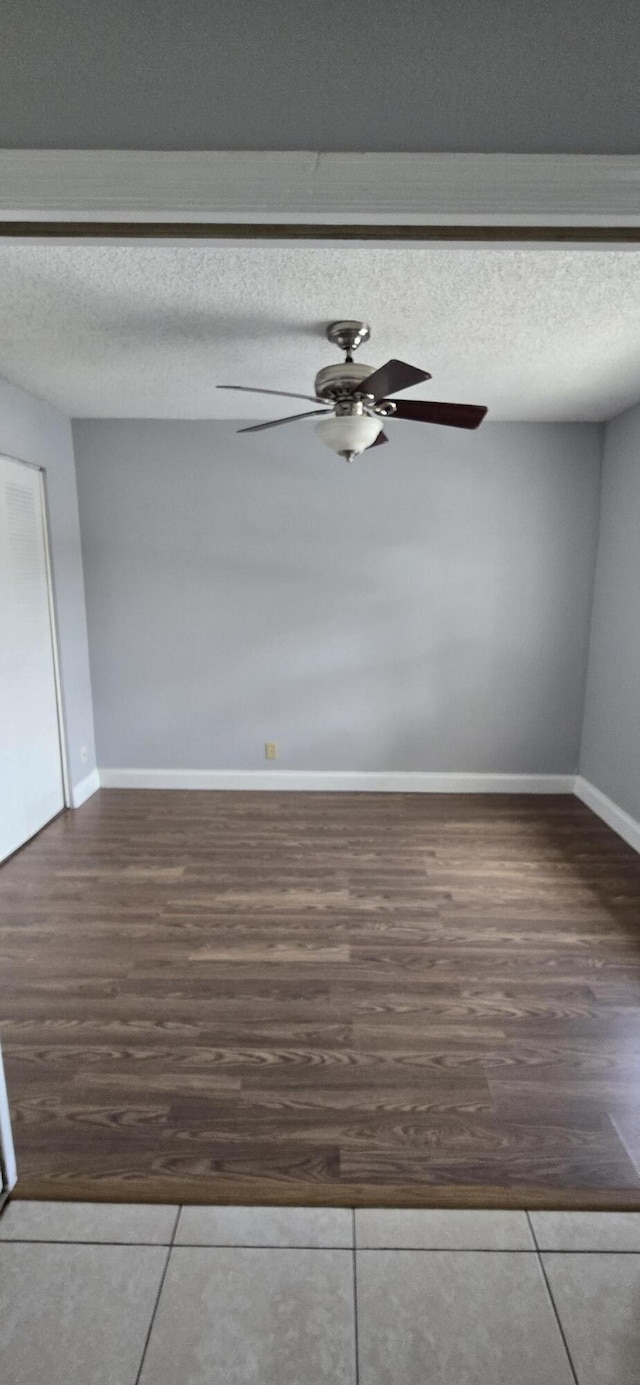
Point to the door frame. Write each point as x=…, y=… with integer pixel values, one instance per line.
x=53, y=624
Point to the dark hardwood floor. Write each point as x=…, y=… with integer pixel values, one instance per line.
x=324, y=997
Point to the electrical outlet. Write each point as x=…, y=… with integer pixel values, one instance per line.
x=270, y=750
x=84, y=754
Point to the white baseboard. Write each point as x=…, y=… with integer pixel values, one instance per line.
x=605, y=808
x=335, y=781
x=87, y=786
x=354, y=781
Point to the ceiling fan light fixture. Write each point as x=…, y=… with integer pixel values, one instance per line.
x=349, y=434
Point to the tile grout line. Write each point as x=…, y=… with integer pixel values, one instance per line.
x=355, y=1297
x=172, y=1240
x=553, y=1302
x=157, y=1302
x=42, y=1241
x=363, y=1249
x=454, y=1250
x=251, y=1245
x=532, y=1233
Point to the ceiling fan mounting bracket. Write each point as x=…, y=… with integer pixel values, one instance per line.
x=348, y=335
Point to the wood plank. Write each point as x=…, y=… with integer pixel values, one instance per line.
x=319, y=231
x=352, y=999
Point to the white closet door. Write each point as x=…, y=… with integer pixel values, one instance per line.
x=31, y=785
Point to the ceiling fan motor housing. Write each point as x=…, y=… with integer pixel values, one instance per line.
x=335, y=381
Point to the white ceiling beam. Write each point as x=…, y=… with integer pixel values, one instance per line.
x=320, y=188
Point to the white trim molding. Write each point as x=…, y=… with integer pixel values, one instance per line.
x=82, y=791
x=311, y=187
x=336, y=781
x=622, y=822
x=8, y=1170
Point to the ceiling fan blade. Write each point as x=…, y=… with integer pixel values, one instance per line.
x=431, y=411
x=275, y=422
x=285, y=394
x=391, y=377
x=382, y=437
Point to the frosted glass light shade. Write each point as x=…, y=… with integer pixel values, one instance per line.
x=349, y=434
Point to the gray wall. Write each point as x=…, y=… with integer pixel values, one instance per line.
x=34, y=432
x=426, y=608
x=610, y=755
x=555, y=75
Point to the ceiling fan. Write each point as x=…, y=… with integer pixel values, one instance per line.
x=355, y=398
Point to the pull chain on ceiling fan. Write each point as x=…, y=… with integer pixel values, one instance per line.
x=356, y=402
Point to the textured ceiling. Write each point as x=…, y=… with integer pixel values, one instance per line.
x=144, y=331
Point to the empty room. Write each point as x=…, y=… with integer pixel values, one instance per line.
x=345, y=908
x=319, y=696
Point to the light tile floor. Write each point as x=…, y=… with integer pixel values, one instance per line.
x=96, y=1294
